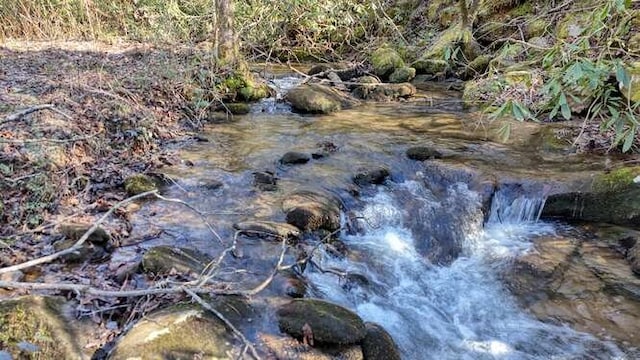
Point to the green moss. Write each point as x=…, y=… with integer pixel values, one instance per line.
x=536, y=27
x=254, y=92
x=634, y=43
x=238, y=108
x=616, y=180
x=384, y=61
x=138, y=183
x=35, y=320
x=430, y=66
x=523, y=9
x=403, y=74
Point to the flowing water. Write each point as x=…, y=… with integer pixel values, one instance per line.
x=447, y=303
x=459, y=311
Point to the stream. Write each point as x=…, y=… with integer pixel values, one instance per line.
x=428, y=262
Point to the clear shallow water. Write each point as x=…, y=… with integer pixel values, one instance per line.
x=459, y=311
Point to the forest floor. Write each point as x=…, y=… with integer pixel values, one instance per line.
x=76, y=118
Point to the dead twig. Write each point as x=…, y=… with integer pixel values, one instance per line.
x=18, y=115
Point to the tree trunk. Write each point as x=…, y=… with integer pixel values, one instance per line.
x=226, y=45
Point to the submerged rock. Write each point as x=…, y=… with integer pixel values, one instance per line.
x=237, y=108
x=180, y=332
x=613, y=198
x=378, y=344
x=422, y=153
x=265, y=180
x=295, y=158
x=166, y=259
x=329, y=323
x=582, y=283
x=267, y=229
x=373, y=176
x=138, y=183
x=312, y=211
x=74, y=231
x=316, y=98
x=376, y=91
x=34, y=327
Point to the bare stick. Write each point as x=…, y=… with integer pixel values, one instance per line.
x=228, y=323
x=17, y=115
x=80, y=241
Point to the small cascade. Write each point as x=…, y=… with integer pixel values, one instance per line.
x=460, y=310
x=276, y=104
x=522, y=208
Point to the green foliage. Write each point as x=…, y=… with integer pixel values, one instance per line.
x=585, y=75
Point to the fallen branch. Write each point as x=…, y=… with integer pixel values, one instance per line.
x=56, y=141
x=18, y=115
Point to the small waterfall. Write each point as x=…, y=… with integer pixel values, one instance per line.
x=513, y=205
x=457, y=311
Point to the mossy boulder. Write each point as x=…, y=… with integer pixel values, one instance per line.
x=318, y=99
x=613, y=198
x=242, y=86
x=138, y=184
x=329, y=323
x=385, y=92
x=167, y=259
x=281, y=347
x=237, y=108
x=37, y=323
x=402, y=75
x=476, y=67
x=308, y=211
x=430, y=66
x=536, y=27
x=254, y=92
x=378, y=344
x=385, y=61
x=179, y=332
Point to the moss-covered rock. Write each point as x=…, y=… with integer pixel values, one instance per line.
x=241, y=85
x=310, y=211
x=430, y=66
x=329, y=323
x=37, y=322
x=378, y=344
x=254, y=92
x=614, y=198
x=536, y=27
x=315, y=98
x=237, y=108
x=385, y=61
x=166, y=259
x=385, y=92
x=138, y=183
x=476, y=67
x=280, y=347
x=180, y=332
x=402, y=74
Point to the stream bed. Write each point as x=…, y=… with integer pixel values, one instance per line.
x=429, y=247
